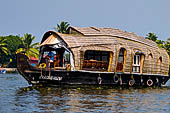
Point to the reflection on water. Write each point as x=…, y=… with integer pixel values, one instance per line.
x=92, y=99
x=19, y=97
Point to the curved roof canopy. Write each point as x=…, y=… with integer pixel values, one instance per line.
x=82, y=36
x=50, y=40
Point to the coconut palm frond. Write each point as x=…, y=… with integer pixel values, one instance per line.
x=29, y=48
x=62, y=27
x=4, y=50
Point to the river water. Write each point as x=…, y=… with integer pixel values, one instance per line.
x=17, y=96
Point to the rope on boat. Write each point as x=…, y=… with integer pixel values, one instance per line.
x=157, y=80
x=99, y=80
x=41, y=72
x=49, y=73
x=43, y=65
x=68, y=67
x=115, y=78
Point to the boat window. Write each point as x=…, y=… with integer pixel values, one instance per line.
x=159, y=65
x=96, y=60
x=150, y=63
x=121, y=60
x=136, y=63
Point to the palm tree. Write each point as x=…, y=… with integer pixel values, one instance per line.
x=62, y=27
x=27, y=46
x=151, y=36
x=3, y=46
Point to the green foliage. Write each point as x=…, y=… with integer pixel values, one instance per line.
x=10, y=44
x=62, y=27
x=167, y=46
x=3, y=46
x=160, y=43
x=27, y=46
x=151, y=36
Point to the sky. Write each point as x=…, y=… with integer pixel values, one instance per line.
x=36, y=17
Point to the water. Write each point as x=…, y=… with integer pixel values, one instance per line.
x=16, y=96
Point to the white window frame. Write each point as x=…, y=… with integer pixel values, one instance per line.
x=136, y=64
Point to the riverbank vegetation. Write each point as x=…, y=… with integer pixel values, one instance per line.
x=11, y=44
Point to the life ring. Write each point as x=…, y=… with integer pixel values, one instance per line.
x=43, y=65
x=131, y=82
x=149, y=82
x=116, y=78
x=99, y=80
x=68, y=67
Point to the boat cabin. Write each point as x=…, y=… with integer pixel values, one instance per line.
x=102, y=49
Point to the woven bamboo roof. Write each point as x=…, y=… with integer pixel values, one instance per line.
x=94, y=31
x=97, y=36
x=79, y=41
x=50, y=40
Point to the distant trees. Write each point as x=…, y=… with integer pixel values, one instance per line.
x=62, y=27
x=9, y=45
x=3, y=46
x=160, y=43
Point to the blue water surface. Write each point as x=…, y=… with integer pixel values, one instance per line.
x=17, y=96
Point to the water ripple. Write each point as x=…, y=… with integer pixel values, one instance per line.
x=17, y=96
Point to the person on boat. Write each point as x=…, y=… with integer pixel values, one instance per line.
x=50, y=58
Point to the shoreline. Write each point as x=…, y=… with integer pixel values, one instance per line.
x=11, y=70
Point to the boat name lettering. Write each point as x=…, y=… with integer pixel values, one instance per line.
x=51, y=78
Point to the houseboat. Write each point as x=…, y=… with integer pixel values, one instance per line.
x=91, y=55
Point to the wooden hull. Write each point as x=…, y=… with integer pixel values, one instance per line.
x=62, y=77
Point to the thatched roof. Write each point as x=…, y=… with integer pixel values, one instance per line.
x=96, y=36
x=50, y=40
x=93, y=31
